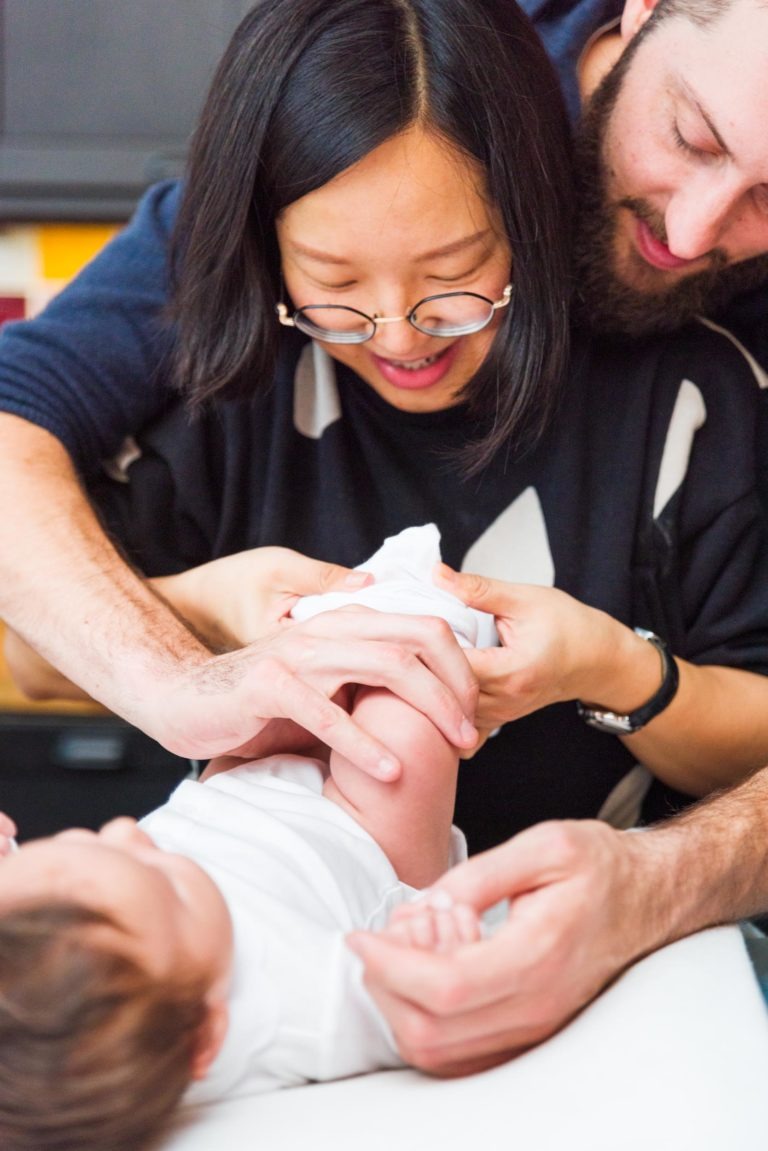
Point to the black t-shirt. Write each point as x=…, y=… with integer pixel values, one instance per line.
x=639, y=500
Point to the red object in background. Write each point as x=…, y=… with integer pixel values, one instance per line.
x=12, y=308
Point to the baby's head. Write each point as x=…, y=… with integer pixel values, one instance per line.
x=114, y=967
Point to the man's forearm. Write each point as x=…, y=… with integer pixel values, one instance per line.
x=711, y=861
x=64, y=588
x=66, y=591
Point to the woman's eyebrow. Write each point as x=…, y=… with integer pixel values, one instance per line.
x=435, y=254
x=456, y=246
x=314, y=254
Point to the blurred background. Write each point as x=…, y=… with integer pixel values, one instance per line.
x=97, y=102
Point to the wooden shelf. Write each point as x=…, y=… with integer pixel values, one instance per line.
x=11, y=698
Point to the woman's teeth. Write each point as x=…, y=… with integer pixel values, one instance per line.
x=415, y=365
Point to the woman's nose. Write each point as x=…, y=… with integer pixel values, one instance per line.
x=399, y=340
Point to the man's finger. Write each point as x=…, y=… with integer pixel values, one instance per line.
x=444, y=984
x=530, y=860
x=434, y=1032
x=7, y=826
x=297, y=700
x=427, y=638
x=416, y=676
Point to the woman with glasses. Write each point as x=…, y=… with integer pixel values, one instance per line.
x=366, y=313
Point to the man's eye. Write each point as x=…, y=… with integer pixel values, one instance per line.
x=690, y=149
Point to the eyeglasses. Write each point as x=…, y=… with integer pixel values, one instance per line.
x=447, y=315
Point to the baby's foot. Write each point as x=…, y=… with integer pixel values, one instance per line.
x=434, y=923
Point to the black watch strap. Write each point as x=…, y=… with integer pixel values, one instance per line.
x=615, y=724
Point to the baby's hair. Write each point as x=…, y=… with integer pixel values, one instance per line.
x=95, y=1053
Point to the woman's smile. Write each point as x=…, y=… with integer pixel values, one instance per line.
x=415, y=374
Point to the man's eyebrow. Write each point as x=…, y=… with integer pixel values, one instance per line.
x=446, y=250
x=706, y=116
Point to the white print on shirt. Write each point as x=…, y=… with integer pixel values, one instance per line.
x=497, y=553
x=689, y=414
x=315, y=398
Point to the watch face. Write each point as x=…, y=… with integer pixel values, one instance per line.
x=607, y=721
x=615, y=724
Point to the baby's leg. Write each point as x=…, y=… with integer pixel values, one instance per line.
x=410, y=818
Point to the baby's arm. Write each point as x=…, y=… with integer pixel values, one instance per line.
x=409, y=818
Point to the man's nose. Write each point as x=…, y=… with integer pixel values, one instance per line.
x=703, y=216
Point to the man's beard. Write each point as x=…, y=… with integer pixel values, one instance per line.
x=602, y=300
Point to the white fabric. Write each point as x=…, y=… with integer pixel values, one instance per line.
x=673, y=1057
x=297, y=873
x=403, y=570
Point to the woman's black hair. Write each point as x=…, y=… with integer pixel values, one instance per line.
x=305, y=90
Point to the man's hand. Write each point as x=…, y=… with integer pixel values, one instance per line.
x=584, y=902
x=7, y=833
x=235, y=600
x=222, y=704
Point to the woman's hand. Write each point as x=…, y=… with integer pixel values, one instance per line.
x=237, y=599
x=712, y=734
x=554, y=648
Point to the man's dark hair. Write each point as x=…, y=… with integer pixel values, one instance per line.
x=699, y=12
x=306, y=89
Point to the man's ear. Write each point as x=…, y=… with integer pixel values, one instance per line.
x=210, y=1038
x=635, y=14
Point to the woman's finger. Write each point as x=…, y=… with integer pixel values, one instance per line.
x=295, y=574
x=494, y=596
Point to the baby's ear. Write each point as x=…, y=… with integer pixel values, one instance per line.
x=210, y=1037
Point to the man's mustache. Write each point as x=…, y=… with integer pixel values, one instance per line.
x=654, y=221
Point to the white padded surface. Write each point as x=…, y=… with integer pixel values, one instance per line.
x=673, y=1057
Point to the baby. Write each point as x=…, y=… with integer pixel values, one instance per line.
x=202, y=954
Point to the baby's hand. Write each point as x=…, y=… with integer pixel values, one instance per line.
x=434, y=923
x=7, y=832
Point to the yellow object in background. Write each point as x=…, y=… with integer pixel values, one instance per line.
x=35, y=262
x=65, y=248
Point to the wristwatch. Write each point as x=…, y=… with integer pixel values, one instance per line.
x=615, y=724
